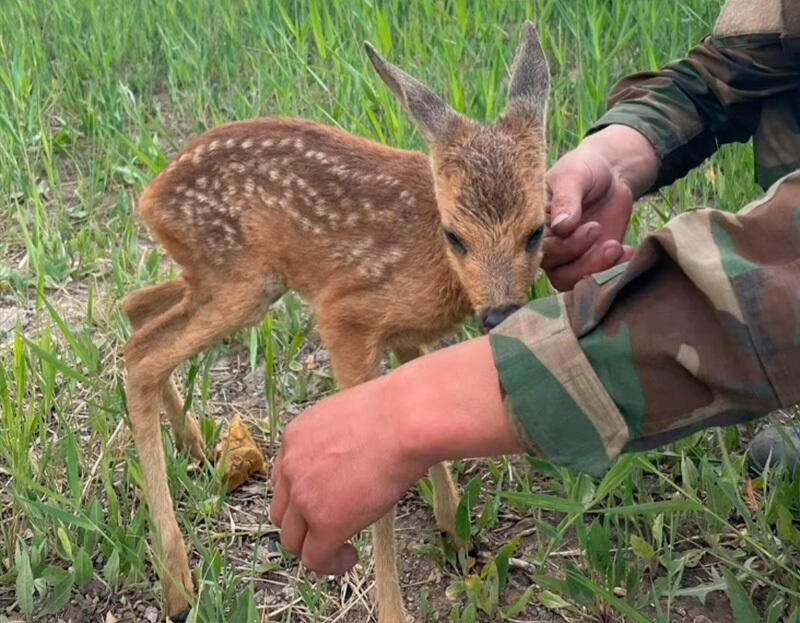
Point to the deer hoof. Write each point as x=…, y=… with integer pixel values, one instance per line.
x=181, y=617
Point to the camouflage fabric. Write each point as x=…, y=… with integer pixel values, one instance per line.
x=742, y=82
x=701, y=328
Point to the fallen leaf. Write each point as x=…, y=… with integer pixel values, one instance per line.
x=110, y=618
x=237, y=455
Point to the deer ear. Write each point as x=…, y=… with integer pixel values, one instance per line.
x=435, y=119
x=529, y=89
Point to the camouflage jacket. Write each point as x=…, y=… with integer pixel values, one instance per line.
x=702, y=327
x=742, y=82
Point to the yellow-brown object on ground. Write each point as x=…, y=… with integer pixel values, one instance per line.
x=242, y=457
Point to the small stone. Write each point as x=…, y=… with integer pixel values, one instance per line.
x=151, y=614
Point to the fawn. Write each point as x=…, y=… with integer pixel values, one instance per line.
x=392, y=249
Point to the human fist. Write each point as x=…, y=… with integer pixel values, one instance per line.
x=590, y=193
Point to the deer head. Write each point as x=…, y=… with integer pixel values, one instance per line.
x=489, y=180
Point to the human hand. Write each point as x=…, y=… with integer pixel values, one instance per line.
x=341, y=466
x=591, y=191
x=346, y=461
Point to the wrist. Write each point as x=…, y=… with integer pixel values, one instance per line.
x=630, y=156
x=450, y=406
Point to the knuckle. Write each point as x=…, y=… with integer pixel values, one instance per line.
x=288, y=469
x=289, y=435
x=305, y=503
x=311, y=563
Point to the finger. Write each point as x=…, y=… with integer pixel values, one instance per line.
x=557, y=251
x=325, y=555
x=597, y=259
x=566, y=191
x=627, y=253
x=280, y=494
x=293, y=530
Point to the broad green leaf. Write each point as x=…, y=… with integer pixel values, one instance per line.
x=246, y=610
x=701, y=591
x=84, y=570
x=62, y=590
x=743, y=609
x=642, y=548
x=653, y=508
x=551, y=601
x=544, y=502
x=518, y=605
x=615, y=477
x=24, y=583
x=111, y=569
x=65, y=546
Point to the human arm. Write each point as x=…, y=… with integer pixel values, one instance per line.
x=699, y=329
x=725, y=90
x=364, y=447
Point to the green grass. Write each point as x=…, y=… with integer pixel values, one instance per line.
x=94, y=99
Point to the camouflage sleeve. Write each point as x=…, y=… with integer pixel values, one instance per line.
x=701, y=328
x=716, y=95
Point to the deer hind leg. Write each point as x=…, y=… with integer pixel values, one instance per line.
x=198, y=321
x=141, y=307
x=445, y=495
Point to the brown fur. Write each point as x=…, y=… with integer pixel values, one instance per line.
x=251, y=209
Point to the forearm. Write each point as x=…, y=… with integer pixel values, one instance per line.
x=451, y=405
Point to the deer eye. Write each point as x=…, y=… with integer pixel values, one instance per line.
x=534, y=238
x=455, y=242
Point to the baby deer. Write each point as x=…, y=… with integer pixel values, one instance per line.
x=391, y=248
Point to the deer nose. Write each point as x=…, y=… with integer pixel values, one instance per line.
x=493, y=316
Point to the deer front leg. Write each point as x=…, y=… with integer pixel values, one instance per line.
x=391, y=608
x=184, y=425
x=445, y=499
x=355, y=356
x=445, y=496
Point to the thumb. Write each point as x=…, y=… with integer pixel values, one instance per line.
x=345, y=559
x=567, y=187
